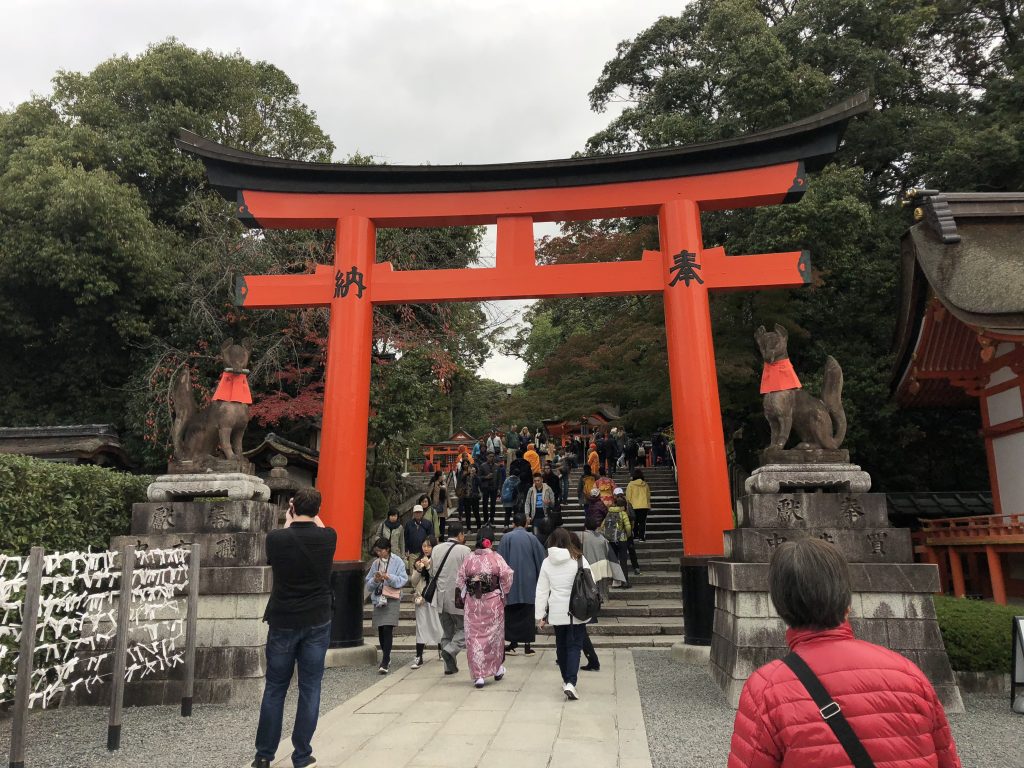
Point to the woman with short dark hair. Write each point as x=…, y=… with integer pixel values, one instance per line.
x=886, y=700
x=384, y=582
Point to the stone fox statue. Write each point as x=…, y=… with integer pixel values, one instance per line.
x=198, y=433
x=818, y=423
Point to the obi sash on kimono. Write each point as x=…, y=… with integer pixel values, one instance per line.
x=233, y=387
x=778, y=376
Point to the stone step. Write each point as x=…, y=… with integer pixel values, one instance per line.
x=668, y=589
x=641, y=626
x=612, y=609
x=547, y=641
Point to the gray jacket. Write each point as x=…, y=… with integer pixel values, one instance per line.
x=444, y=594
x=548, y=500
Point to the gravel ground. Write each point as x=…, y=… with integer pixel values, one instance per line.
x=689, y=724
x=214, y=737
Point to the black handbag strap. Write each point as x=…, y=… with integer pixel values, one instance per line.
x=444, y=560
x=830, y=711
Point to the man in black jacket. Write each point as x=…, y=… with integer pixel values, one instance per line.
x=299, y=615
x=489, y=487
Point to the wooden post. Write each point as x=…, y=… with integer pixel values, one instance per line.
x=124, y=607
x=23, y=686
x=190, y=631
x=956, y=570
x=974, y=582
x=995, y=572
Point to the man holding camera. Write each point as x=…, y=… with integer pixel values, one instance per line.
x=299, y=614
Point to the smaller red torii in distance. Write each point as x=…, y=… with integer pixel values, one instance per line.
x=675, y=185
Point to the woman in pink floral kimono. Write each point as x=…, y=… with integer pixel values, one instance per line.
x=484, y=580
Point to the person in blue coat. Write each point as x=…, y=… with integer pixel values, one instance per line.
x=384, y=581
x=524, y=554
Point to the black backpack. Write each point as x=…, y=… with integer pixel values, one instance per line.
x=584, y=599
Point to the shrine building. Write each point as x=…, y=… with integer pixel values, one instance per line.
x=960, y=343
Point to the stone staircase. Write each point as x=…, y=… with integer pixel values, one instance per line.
x=648, y=615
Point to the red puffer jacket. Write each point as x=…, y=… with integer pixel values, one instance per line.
x=887, y=700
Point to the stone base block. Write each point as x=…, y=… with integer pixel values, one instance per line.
x=215, y=549
x=235, y=485
x=775, y=478
x=914, y=578
x=867, y=545
x=357, y=656
x=214, y=517
x=748, y=633
x=241, y=580
x=852, y=511
x=691, y=654
x=804, y=456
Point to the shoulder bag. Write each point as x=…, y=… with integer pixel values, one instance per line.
x=830, y=712
x=393, y=593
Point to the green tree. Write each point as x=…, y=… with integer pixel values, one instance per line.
x=117, y=260
x=945, y=78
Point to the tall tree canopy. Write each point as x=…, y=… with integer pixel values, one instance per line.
x=946, y=79
x=117, y=261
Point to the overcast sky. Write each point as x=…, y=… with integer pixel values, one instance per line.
x=408, y=81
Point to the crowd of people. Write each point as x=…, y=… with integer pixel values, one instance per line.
x=832, y=700
x=491, y=600
x=487, y=601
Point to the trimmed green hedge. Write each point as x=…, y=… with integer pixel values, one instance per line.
x=977, y=633
x=63, y=507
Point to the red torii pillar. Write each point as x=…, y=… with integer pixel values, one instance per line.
x=759, y=170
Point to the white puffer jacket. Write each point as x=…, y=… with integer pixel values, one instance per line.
x=554, y=585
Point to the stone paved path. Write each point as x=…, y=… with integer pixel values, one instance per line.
x=424, y=719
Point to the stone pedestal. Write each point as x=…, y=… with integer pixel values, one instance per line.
x=236, y=486
x=892, y=596
x=234, y=586
x=773, y=478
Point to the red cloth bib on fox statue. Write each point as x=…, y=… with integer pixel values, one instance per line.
x=778, y=376
x=233, y=387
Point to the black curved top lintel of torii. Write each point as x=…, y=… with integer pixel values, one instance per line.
x=812, y=141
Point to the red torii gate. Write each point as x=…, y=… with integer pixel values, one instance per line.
x=675, y=185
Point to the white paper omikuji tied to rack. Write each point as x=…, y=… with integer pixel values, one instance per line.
x=77, y=596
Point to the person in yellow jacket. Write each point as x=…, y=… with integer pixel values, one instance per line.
x=533, y=457
x=638, y=494
x=594, y=460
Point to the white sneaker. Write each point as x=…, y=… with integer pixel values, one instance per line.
x=570, y=692
x=417, y=663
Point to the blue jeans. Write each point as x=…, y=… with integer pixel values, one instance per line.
x=568, y=647
x=308, y=647
x=565, y=488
